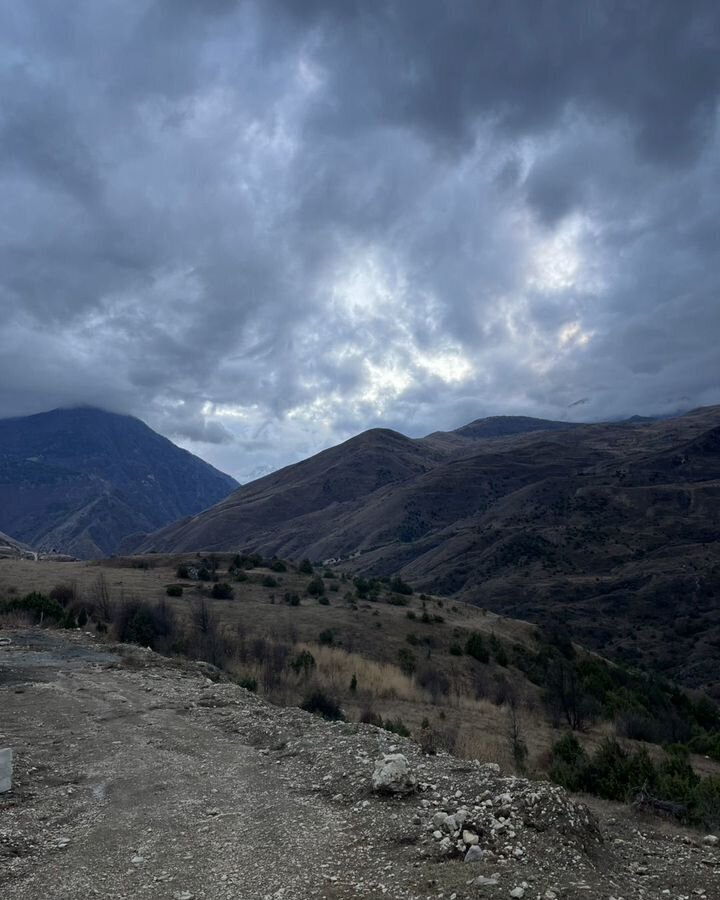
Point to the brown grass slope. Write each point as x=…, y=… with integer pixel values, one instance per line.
x=613, y=527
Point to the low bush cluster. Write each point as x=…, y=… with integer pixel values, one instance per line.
x=615, y=773
x=324, y=705
x=40, y=607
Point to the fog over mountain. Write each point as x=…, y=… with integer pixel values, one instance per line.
x=263, y=227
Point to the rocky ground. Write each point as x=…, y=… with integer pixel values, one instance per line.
x=138, y=777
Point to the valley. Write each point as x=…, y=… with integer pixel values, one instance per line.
x=557, y=523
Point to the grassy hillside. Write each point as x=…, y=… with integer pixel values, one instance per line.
x=452, y=675
x=612, y=527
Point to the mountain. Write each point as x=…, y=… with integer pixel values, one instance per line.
x=78, y=481
x=12, y=549
x=613, y=528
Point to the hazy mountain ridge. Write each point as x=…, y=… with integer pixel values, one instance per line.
x=80, y=480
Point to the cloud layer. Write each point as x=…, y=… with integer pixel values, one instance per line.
x=266, y=226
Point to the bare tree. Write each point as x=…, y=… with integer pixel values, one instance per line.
x=515, y=734
x=102, y=599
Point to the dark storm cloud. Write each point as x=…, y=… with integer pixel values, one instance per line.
x=265, y=226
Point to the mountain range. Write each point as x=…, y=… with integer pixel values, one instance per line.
x=613, y=528
x=78, y=481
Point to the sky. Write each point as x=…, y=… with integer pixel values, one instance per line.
x=263, y=227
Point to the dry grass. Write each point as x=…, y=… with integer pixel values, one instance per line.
x=336, y=667
x=258, y=635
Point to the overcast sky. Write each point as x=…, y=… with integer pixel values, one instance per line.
x=265, y=226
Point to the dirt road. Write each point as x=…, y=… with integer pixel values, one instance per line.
x=137, y=777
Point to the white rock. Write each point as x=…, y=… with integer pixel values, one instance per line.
x=445, y=845
x=392, y=775
x=474, y=854
x=6, y=769
x=517, y=892
x=711, y=840
x=470, y=838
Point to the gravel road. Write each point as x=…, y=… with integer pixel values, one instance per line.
x=140, y=777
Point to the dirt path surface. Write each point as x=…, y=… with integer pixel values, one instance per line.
x=137, y=777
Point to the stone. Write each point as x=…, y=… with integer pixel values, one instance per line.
x=470, y=838
x=392, y=775
x=474, y=854
x=484, y=881
x=710, y=840
x=517, y=892
x=6, y=770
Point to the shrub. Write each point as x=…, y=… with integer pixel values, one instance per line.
x=397, y=726
x=269, y=582
x=475, y=647
x=367, y=589
x=221, y=590
x=323, y=601
x=326, y=638
x=305, y=567
x=498, y=651
x=435, y=682
x=353, y=683
x=398, y=586
x=277, y=565
x=322, y=704
x=137, y=622
x=707, y=803
x=568, y=762
x=455, y=649
x=40, y=607
x=250, y=684
x=292, y=598
x=316, y=587
x=618, y=774
x=411, y=614
x=407, y=661
x=182, y=571
x=175, y=590
x=304, y=662
x=369, y=717
x=64, y=594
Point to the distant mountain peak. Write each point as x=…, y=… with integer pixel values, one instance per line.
x=504, y=426
x=81, y=479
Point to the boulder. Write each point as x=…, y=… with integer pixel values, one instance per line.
x=6, y=768
x=392, y=775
